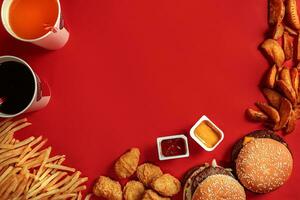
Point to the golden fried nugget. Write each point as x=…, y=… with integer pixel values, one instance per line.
x=108, y=189
x=166, y=185
x=127, y=164
x=133, y=190
x=147, y=172
x=273, y=49
x=151, y=195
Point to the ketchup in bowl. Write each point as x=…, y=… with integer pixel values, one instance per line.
x=173, y=147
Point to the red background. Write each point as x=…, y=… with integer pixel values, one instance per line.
x=135, y=70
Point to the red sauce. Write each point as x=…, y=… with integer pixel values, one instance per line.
x=173, y=147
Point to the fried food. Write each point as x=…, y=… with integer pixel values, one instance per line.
x=269, y=110
x=288, y=46
x=295, y=79
x=292, y=14
x=274, y=51
x=285, y=76
x=290, y=31
x=287, y=90
x=277, y=31
x=108, y=189
x=290, y=127
x=270, y=77
x=273, y=97
x=27, y=170
x=298, y=48
x=127, y=164
x=166, y=185
x=256, y=116
x=133, y=190
x=151, y=195
x=148, y=172
x=276, y=11
x=297, y=113
x=285, y=112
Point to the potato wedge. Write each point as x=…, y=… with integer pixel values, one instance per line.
x=290, y=31
x=270, y=77
x=271, y=112
x=288, y=46
x=298, y=48
x=290, y=127
x=285, y=111
x=256, y=116
x=277, y=31
x=295, y=79
x=288, y=91
x=297, y=112
x=292, y=14
x=274, y=51
x=273, y=97
x=276, y=11
x=285, y=76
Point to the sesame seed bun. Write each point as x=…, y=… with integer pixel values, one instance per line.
x=196, y=176
x=263, y=164
x=219, y=187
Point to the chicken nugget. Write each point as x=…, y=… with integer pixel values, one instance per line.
x=108, y=189
x=151, y=195
x=126, y=165
x=166, y=185
x=133, y=190
x=147, y=172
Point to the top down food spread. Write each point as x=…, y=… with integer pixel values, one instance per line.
x=140, y=100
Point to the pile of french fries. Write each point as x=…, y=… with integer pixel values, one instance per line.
x=27, y=170
x=281, y=83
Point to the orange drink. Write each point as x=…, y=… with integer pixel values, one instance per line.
x=31, y=19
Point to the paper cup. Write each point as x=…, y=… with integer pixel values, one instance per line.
x=54, y=39
x=41, y=95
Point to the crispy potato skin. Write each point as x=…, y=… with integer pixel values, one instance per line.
x=292, y=14
x=273, y=49
x=256, y=116
x=166, y=185
x=108, y=189
x=151, y=195
x=133, y=190
x=270, y=77
x=270, y=111
x=276, y=11
x=148, y=172
x=273, y=97
x=285, y=111
x=127, y=164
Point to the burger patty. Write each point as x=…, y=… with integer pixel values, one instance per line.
x=256, y=134
x=208, y=171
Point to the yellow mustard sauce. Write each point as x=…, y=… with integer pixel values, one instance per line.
x=207, y=135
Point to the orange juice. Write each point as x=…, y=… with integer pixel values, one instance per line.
x=31, y=19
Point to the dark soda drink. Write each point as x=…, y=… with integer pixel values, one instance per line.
x=17, y=87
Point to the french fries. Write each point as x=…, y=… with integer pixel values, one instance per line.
x=287, y=90
x=278, y=31
x=27, y=170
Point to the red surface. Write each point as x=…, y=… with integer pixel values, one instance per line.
x=135, y=70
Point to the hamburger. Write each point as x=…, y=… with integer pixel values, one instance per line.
x=262, y=161
x=211, y=182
